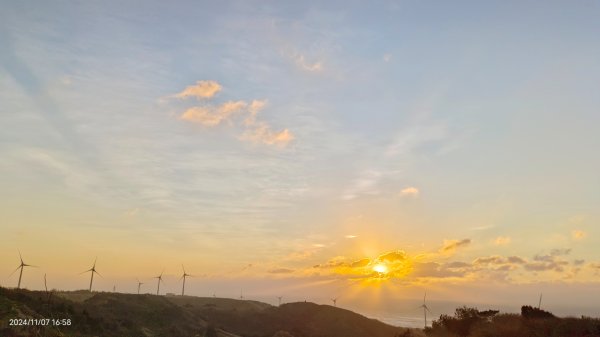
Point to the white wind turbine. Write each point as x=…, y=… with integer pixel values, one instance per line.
x=139, y=285
x=425, y=308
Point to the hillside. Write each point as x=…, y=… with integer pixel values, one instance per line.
x=116, y=314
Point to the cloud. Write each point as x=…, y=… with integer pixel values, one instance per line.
x=202, y=89
x=209, y=115
x=482, y=228
x=552, y=261
x=365, y=184
x=351, y=236
x=489, y=260
x=578, y=234
x=393, y=256
x=213, y=116
x=409, y=192
x=305, y=65
x=360, y=263
x=253, y=109
x=452, y=245
x=516, y=259
x=263, y=134
x=280, y=271
x=560, y=252
x=435, y=270
x=502, y=240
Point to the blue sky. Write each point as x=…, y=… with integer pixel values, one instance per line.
x=394, y=126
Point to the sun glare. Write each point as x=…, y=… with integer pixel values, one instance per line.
x=380, y=268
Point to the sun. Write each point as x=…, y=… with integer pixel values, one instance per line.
x=380, y=268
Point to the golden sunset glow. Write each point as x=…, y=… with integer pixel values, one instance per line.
x=380, y=268
x=302, y=150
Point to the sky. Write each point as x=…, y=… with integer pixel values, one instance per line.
x=310, y=150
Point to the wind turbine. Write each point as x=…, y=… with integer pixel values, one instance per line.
x=93, y=270
x=241, y=295
x=425, y=308
x=540, y=302
x=139, y=285
x=279, y=298
x=334, y=300
x=21, y=266
x=159, y=277
x=183, y=277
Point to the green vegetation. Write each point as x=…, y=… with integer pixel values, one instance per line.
x=532, y=322
x=115, y=314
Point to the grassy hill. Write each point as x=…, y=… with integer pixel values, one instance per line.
x=116, y=314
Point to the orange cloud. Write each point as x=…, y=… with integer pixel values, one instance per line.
x=212, y=116
x=202, y=89
x=263, y=134
x=409, y=192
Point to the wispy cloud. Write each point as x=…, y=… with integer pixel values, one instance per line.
x=202, y=90
x=409, y=192
x=262, y=133
x=365, y=184
x=308, y=66
x=451, y=245
x=255, y=130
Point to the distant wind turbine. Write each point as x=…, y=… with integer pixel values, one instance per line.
x=334, y=300
x=159, y=277
x=93, y=270
x=139, y=285
x=540, y=302
x=279, y=298
x=183, y=277
x=425, y=308
x=241, y=294
x=21, y=266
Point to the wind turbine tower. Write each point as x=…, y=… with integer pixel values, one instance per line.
x=425, y=309
x=279, y=298
x=183, y=277
x=159, y=277
x=139, y=285
x=540, y=302
x=334, y=300
x=93, y=271
x=21, y=266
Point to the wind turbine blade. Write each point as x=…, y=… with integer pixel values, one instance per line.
x=83, y=272
x=98, y=273
x=14, y=271
x=95, y=259
x=20, y=257
x=182, y=267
